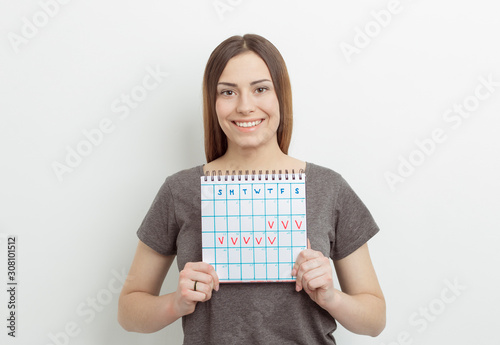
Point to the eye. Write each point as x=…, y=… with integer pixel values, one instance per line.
x=227, y=92
x=261, y=89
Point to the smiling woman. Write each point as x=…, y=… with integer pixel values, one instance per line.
x=259, y=68
x=248, y=125
x=247, y=109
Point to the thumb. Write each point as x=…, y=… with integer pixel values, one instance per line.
x=308, y=244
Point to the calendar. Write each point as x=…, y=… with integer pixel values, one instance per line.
x=253, y=226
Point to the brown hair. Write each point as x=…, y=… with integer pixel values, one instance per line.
x=215, y=139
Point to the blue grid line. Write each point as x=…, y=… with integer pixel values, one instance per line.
x=265, y=228
x=241, y=250
x=253, y=233
x=227, y=234
x=278, y=228
x=215, y=235
x=291, y=232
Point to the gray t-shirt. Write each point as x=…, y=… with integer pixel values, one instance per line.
x=338, y=223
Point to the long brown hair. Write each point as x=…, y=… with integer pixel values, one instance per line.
x=215, y=139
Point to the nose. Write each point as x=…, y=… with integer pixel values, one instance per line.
x=246, y=104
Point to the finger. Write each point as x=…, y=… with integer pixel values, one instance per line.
x=197, y=290
x=205, y=289
x=215, y=277
x=301, y=258
x=320, y=272
x=209, y=270
x=200, y=277
x=199, y=282
x=308, y=244
x=305, y=255
x=316, y=261
x=205, y=269
x=194, y=296
x=322, y=281
x=304, y=269
x=199, y=266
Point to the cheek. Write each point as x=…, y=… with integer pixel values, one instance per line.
x=272, y=107
x=222, y=109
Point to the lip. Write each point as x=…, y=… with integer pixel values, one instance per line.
x=250, y=128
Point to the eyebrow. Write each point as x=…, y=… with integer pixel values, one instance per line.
x=235, y=85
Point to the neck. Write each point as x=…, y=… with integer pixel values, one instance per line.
x=269, y=158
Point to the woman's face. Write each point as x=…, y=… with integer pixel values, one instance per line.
x=247, y=106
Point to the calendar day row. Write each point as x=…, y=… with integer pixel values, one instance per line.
x=290, y=239
x=251, y=255
x=255, y=223
x=253, y=207
x=253, y=191
x=255, y=273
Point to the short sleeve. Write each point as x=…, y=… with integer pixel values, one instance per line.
x=354, y=224
x=159, y=228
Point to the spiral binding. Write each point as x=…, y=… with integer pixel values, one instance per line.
x=253, y=176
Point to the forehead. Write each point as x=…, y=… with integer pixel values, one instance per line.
x=245, y=67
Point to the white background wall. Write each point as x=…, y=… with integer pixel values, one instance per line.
x=359, y=111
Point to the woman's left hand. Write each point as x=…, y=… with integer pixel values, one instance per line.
x=314, y=275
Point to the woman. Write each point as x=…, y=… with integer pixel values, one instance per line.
x=248, y=124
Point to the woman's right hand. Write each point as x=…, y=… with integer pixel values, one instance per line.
x=206, y=279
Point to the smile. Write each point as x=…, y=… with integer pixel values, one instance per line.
x=248, y=124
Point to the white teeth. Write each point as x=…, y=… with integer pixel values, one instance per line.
x=248, y=124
